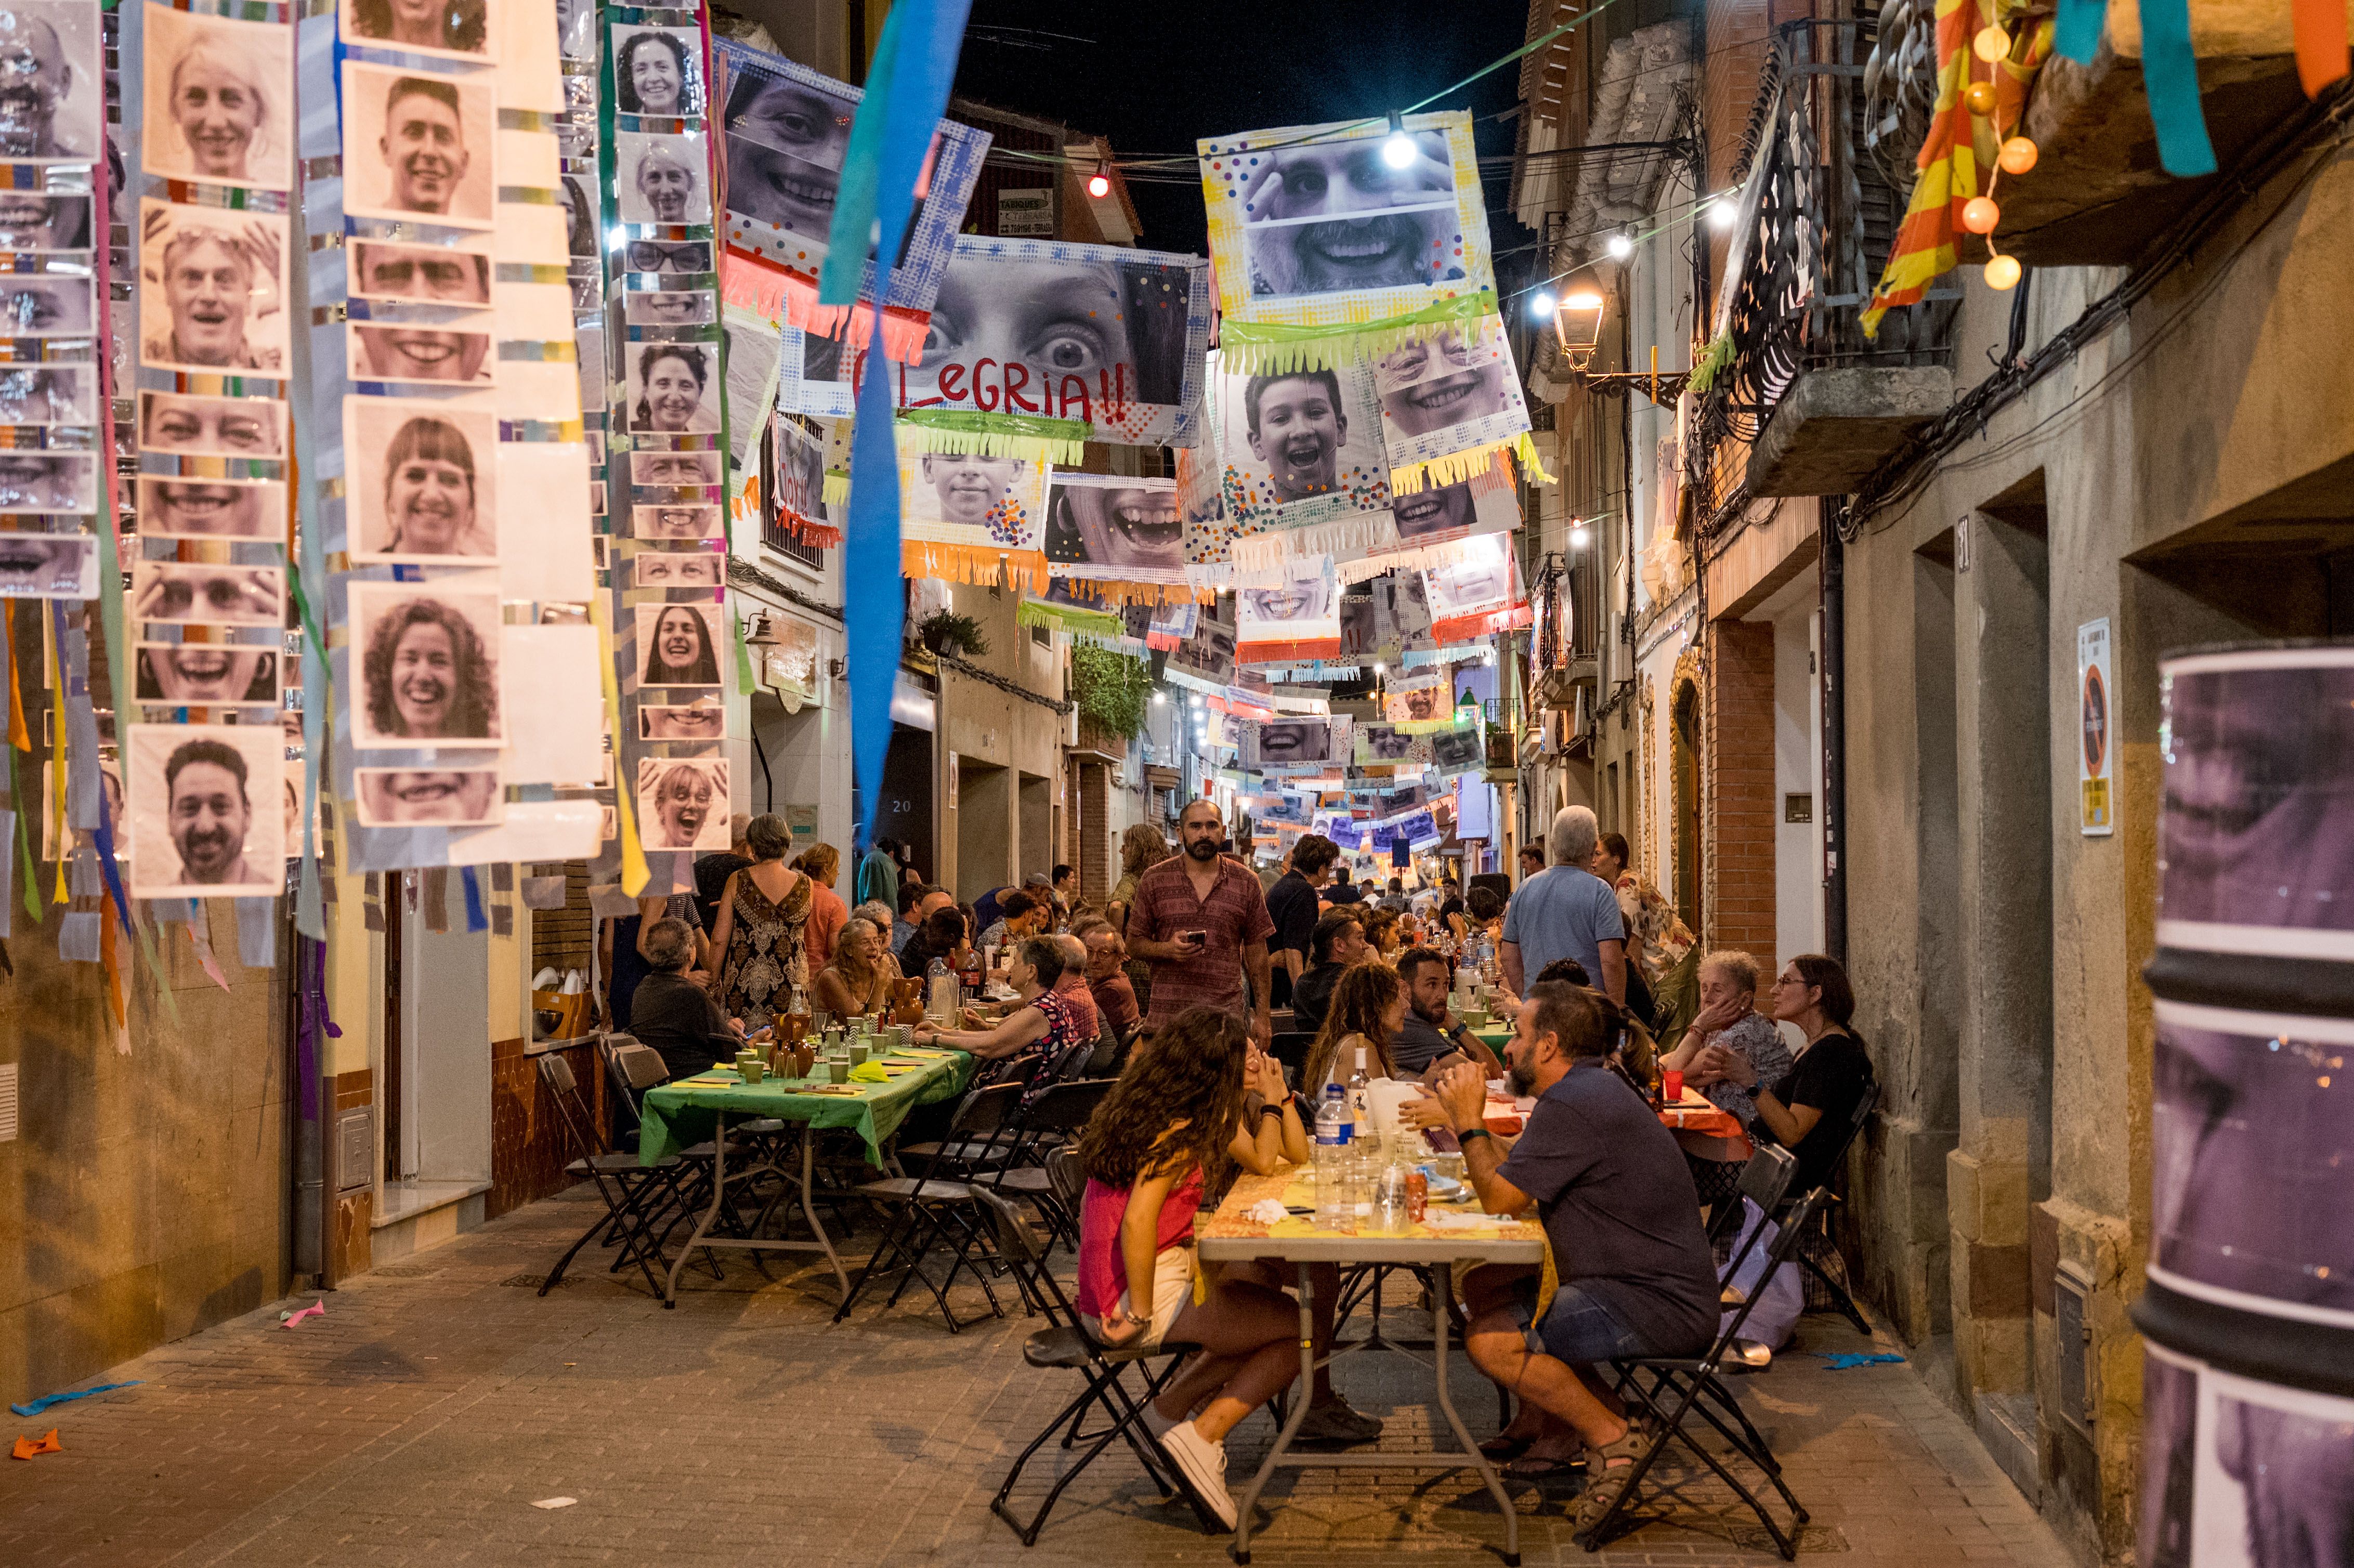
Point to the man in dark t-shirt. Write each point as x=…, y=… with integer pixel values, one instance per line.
x=673, y=1014
x=1339, y=942
x=1291, y=904
x=1619, y=1209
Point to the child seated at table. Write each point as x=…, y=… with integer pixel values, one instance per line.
x=1167, y=1128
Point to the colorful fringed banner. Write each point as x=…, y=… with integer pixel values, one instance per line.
x=757, y=283
x=986, y=566
x=1406, y=479
x=1464, y=628
x=837, y=486
x=1264, y=348
x=1030, y=437
x=1093, y=625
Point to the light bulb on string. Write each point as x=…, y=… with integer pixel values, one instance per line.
x=1619, y=246
x=1979, y=215
x=2017, y=156
x=1099, y=182
x=1979, y=98
x=1397, y=147
x=2002, y=272
x=1990, y=44
x=1542, y=304
x=1721, y=212
x=1579, y=533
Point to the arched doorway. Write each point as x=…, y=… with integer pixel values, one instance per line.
x=1684, y=768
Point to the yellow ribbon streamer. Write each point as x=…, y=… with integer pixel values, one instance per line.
x=635, y=873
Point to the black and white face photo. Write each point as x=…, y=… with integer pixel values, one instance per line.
x=694, y=721
x=423, y=482
x=220, y=100
x=676, y=569
x=36, y=305
x=447, y=29
x=219, y=278
x=423, y=352
x=418, y=146
x=668, y=308
x=1482, y=580
x=426, y=274
x=786, y=136
x=963, y=488
x=674, y=471
x=1433, y=512
x=1402, y=604
x=1209, y=652
x=51, y=109
x=673, y=389
x=186, y=508
x=1359, y=632
x=1453, y=378
x=49, y=566
x=204, y=809
x=1282, y=742
x=440, y=798
x=1455, y=750
x=207, y=675
x=799, y=471
x=1300, y=598
x=32, y=221
x=201, y=593
x=1383, y=743
x=47, y=482
x=2275, y=1482
x=428, y=665
x=196, y=426
x=678, y=645
x=658, y=72
x=682, y=803
x=1333, y=217
x=1121, y=524
x=680, y=522
x=661, y=179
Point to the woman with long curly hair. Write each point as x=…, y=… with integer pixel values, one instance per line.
x=1141, y=848
x=427, y=675
x=1368, y=1007
x=651, y=75
x=1163, y=1132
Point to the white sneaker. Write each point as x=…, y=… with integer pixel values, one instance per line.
x=1204, y=1464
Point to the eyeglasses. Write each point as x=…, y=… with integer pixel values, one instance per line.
x=650, y=256
x=1789, y=979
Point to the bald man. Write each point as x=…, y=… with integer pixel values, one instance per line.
x=34, y=83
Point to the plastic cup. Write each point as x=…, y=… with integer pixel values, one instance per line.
x=837, y=1070
x=754, y=1070
x=859, y=1052
x=1671, y=1085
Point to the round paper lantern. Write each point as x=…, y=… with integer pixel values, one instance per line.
x=2002, y=272
x=2018, y=155
x=1979, y=98
x=1979, y=215
x=1990, y=44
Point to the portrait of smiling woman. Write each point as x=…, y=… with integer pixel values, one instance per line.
x=667, y=386
x=654, y=72
x=223, y=87
x=431, y=672
x=423, y=26
x=676, y=646
x=423, y=494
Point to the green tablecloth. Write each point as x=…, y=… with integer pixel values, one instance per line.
x=1493, y=1036
x=678, y=1116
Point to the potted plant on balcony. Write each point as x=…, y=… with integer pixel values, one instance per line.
x=1111, y=690
x=946, y=632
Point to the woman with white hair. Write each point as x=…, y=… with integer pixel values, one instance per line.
x=1729, y=1018
x=221, y=108
x=858, y=981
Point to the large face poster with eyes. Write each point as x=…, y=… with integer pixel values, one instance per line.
x=1099, y=332
x=1315, y=225
x=788, y=133
x=1451, y=391
x=1110, y=528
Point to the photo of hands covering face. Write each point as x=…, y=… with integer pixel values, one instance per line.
x=201, y=593
x=48, y=566
x=440, y=798
x=219, y=275
x=208, y=675
x=418, y=146
x=220, y=100
x=204, y=809
x=1333, y=215
x=1124, y=527
x=186, y=508
x=196, y=426
x=663, y=179
x=49, y=58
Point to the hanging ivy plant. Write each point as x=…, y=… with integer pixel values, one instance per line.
x=1111, y=689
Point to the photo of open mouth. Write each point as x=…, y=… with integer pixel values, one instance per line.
x=1149, y=524
x=207, y=510
x=1441, y=398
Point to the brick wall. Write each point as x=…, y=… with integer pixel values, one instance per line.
x=1737, y=773
x=563, y=938
x=529, y=1147
x=1096, y=863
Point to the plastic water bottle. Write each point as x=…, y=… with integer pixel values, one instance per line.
x=1360, y=1100
x=940, y=993
x=1335, y=1210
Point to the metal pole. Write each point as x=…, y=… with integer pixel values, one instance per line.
x=1834, y=700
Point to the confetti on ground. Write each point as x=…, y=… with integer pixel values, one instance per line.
x=1847, y=1360
x=26, y=1447
x=555, y=1502
x=36, y=1406
x=315, y=1310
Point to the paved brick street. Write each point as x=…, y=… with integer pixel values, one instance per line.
x=418, y=1420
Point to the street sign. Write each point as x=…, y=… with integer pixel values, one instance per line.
x=2096, y=747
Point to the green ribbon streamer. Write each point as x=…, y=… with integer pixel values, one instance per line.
x=1030, y=436
x=25, y=836
x=1258, y=347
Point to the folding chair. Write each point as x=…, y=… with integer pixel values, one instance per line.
x=1682, y=1380
x=633, y=1193
x=935, y=1209
x=1066, y=1344
x=1840, y=1300
x=1061, y=1112
x=1292, y=1050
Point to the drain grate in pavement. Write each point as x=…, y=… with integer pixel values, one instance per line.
x=1812, y=1538
x=403, y=1271
x=533, y=1281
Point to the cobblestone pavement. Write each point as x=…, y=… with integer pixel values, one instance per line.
x=419, y=1420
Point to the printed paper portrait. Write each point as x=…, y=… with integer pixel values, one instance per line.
x=678, y=645
x=1448, y=392
x=51, y=48
x=1099, y=332
x=434, y=354
x=46, y=304
x=182, y=507
x=751, y=346
x=424, y=481
x=684, y=521
x=703, y=720
x=35, y=481
x=190, y=424
x=35, y=221
x=2273, y=1486
x=1313, y=224
x=1208, y=653
x=971, y=498
x=48, y=394
x=445, y=29
x=658, y=72
x=1108, y=528
x=662, y=178
x=206, y=810
x=1302, y=446
x=1385, y=742
x=677, y=569
x=1303, y=607
x=676, y=470
x=204, y=594
x=220, y=100
x=428, y=665
x=1482, y=582
x=214, y=289
x=440, y=797
x=797, y=470
x=1437, y=513
x=1456, y=750
x=683, y=802
x=1290, y=743
x=418, y=146
x=670, y=307
x=1411, y=696
x=673, y=389
x=49, y=566
x=207, y=675
x=422, y=275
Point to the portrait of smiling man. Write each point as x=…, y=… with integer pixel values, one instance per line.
x=427, y=155
x=415, y=353
x=1329, y=216
x=193, y=788
x=218, y=274
x=399, y=797
x=49, y=104
x=208, y=673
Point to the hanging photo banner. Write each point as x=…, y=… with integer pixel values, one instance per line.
x=969, y=515
x=787, y=135
x=1109, y=528
x=1281, y=748
x=1415, y=695
x=1450, y=402
x=1298, y=617
x=1059, y=609
x=1478, y=595
x=1301, y=447
x=1204, y=659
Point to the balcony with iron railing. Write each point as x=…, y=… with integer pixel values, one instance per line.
x=1795, y=399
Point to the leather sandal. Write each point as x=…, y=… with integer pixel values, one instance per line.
x=1607, y=1469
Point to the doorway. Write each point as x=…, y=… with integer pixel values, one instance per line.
x=1683, y=763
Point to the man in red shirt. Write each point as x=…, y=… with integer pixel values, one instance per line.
x=1115, y=997
x=1201, y=920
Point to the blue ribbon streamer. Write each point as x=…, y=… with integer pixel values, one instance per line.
x=34, y=1407
x=915, y=62
x=2077, y=33
x=2170, y=72
x=475, y=919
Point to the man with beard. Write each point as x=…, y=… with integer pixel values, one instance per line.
x=1297, y=429
x=966, y=485
x=1326, y=216
x=1201, y=921
x=208, y=814
x=424, y=144
x=1430, y=1033
x=37, y=81
x=1618, y=1205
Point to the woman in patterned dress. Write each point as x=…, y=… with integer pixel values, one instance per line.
x=758, y=932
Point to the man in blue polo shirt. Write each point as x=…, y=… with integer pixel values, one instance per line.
x=1567, y=912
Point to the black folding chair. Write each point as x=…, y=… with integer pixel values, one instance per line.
x=934, y=1208
x=1292, y=1050
x=1821, y=1241
x=1676, y=1391
x=1060, y=1114
x=635, y=1194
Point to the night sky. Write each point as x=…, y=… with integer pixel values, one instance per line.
x=1154, y=78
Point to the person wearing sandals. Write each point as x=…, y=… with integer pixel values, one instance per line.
x=1166, y=1129
x=1623, y=1223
